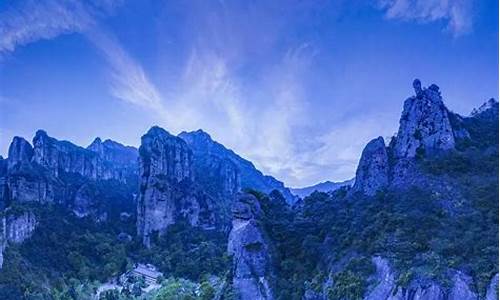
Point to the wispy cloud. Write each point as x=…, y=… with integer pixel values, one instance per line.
x=457, y=14
x=128, y=81
x=25, y=22
x=262, y=112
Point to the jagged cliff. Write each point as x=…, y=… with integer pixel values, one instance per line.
x=205, y=150
x=385, y=286
x=372, y=174
x=168, y=192
x=252, y=265
x=424, y=126
x=56, y=171
x=407, y=182
x=15, y=228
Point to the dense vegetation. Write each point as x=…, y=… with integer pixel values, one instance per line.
x=63, y=254
x=187, y=252
x=422, y=235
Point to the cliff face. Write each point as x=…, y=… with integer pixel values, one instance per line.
x=54, y=171
x=385, y=287
x=15, y=229
x=372, y=174
x=103, y=161
x=252, y=266
x=167, y=190
x=204, y=148
x=438, y=155
x=424, y=127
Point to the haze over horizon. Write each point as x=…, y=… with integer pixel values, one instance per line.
x=281, y=83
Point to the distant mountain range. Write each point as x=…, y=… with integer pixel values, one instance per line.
x=327, y=186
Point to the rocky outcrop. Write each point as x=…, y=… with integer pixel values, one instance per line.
x=101, y=161
x=167, y=190
x=205, y=148
x=20, y=152
x=385, y=287
x=252, y=271
x=372, y=174
x=60, y=172
x=492, y=291
x=63, y=157
x=424, y=125
x=15, y=228
x=115, y=161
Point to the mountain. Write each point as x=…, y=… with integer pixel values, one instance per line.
x=419, y=221
x=325, y=187
x=204, y=148
x=417, y=203
x=168, y=190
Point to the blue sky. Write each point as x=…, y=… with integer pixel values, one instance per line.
x=298, y=87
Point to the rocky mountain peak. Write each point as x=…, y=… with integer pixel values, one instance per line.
x=424, y=124
x=372, y=174
x=204, y=147
x=167, y=188
x=252, y=264
x=20, y=151
x=489, y=106
x=164, y=154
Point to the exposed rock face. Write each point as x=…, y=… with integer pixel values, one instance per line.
x=115, y=161
x=385, y=280
x=205, y=148
x=461, y=288
x=18, y=228
x=385, y=287
x=54, y=171
x=20, y=151
x=212, y=168
x=251, y=252
x=61, y=156
x=372, y=174
x=103, y=161
x=492, y=292
x=15, y=229
x=86, y=200
x=424, y=124
x=167, y=191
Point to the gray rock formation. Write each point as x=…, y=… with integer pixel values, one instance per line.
x=492, y=291
x=252, y=271
x=167, y=190
x=62, y=156
x=385, y=287
x=424, y=124
x=101, y=161
x=461, y=287
x=41, y=173
x=204, y=148
x=20, y=152
x=372, y=174
x=15, y=229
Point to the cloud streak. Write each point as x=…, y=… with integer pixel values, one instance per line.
x=29, y=21
x=456, y=13
x=128, y=81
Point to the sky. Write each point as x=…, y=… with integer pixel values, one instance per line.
x=297, y=87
